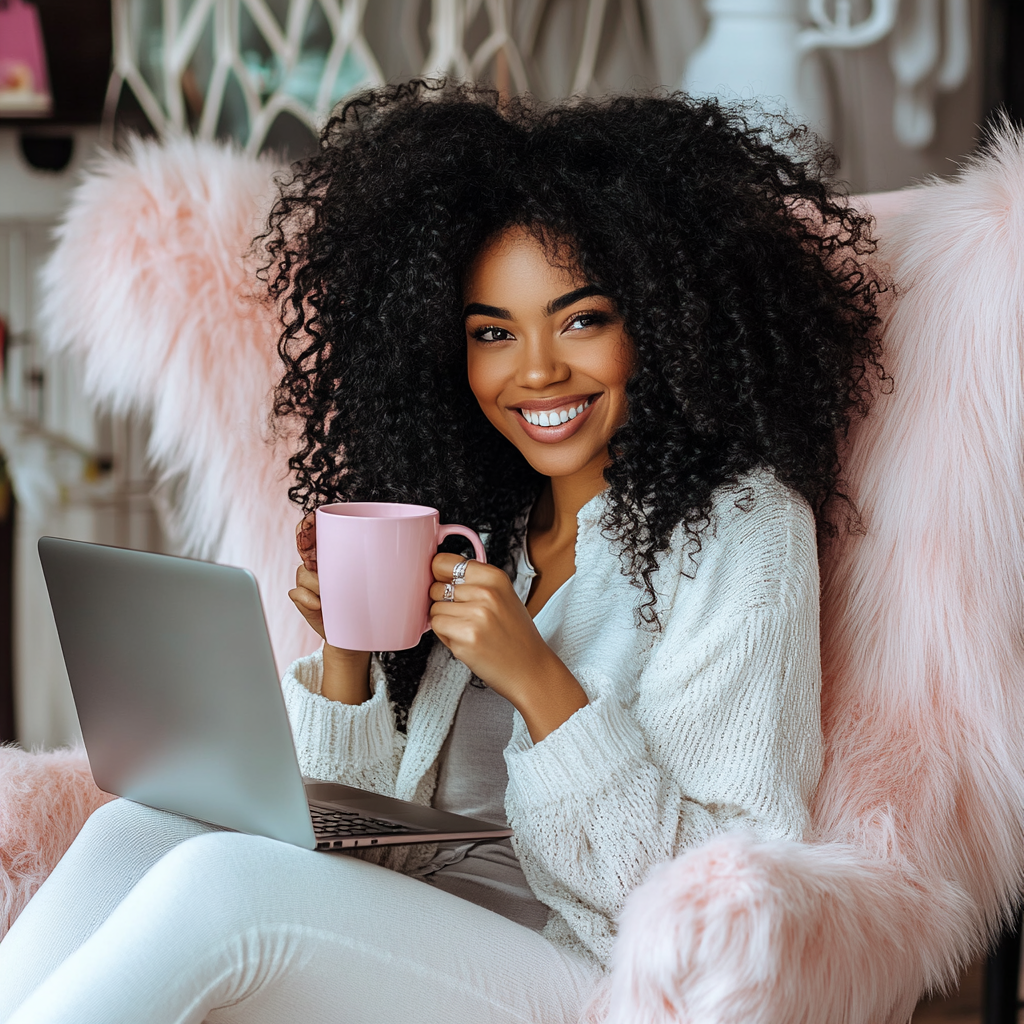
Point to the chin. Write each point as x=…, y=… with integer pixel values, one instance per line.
x=554, y=466
x=548, y=460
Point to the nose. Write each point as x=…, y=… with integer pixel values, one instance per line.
x=540, y=364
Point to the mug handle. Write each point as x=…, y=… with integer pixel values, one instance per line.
x=447, y=530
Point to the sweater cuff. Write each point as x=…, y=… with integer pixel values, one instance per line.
x=580, y=758
x=327, y=730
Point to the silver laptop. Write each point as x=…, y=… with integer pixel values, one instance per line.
x=181, y=709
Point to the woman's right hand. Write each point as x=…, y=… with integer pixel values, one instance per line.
x=346, y=675
x=306, y=595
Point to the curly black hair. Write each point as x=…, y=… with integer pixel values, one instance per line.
x=737, y=265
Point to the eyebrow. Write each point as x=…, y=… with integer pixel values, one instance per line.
x=570, y=297
x=554, y=306
x=479, y=309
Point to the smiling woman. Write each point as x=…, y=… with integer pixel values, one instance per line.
x=734, y=269
x=550, y=366
x=547, y=360
x=622, y=340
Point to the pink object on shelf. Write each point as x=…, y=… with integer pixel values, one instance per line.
x=24, y=84
x=373, y=559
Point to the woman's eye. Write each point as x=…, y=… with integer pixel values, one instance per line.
x=491, y=334
x=583, y=320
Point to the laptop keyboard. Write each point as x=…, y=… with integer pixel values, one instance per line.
x=329, y=823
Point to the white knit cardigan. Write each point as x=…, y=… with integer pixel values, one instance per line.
x=711, y=724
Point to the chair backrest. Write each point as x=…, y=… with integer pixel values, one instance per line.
x=922, y=643
x=919, y=816
x=919, y=812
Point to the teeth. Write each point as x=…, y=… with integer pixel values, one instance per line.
x=553, y=418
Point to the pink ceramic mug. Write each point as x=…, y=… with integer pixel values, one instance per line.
x=373, y=559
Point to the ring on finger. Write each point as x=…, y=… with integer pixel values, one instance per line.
x=449, y=592
x=459, y=572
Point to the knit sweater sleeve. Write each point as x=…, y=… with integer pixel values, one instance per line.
x=721, y=729
x=355, y=744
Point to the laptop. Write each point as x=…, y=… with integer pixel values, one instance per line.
x=181, y=709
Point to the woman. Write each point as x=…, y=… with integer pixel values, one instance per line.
x=620, y=339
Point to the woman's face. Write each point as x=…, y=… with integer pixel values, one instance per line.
x=548, y=356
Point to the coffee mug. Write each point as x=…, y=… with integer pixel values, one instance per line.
x=373, y=559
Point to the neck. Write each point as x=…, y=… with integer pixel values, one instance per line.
x=561, y=500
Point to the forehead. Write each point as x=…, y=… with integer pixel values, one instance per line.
x=517, y=262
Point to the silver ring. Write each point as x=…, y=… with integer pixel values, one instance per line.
x=449, y=592
x=459, y=572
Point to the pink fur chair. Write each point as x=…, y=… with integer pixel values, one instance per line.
x=919, y=818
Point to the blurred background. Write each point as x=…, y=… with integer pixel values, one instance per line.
x=902, y=89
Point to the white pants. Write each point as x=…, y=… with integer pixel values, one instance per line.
x=151, y=917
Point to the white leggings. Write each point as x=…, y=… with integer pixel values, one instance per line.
x=151, y=917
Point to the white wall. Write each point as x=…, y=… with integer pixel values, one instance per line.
x=51, y=438
x=872, y=159
x=859, y=83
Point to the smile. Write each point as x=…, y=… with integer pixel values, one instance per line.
x=549, y=426
x=555, y=416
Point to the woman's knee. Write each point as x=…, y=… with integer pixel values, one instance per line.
x=217, y=868
x=127, y=818
x=115, y=818
x=128, y=839
x=244, y=880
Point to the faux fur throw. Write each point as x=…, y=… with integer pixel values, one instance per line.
x=152, y=286
x=44, y=801
x=919, y=813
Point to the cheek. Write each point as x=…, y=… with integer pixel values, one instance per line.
x=477, y=378
x=485, y=383
x=614, y=370
x=611, y=363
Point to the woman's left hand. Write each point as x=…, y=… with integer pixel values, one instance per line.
x=490, y=631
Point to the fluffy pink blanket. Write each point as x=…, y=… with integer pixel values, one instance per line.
x=44, y=800
x=918, y=819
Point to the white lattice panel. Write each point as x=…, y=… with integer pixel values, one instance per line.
x=231, y=68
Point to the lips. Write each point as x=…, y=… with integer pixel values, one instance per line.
x=552, y=418
x=554, y=434
x=558, y=402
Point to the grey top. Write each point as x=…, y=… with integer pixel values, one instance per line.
x=472, y=778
